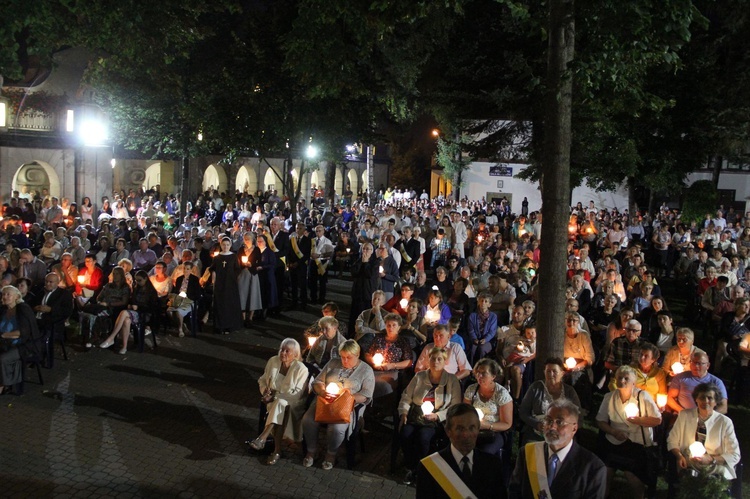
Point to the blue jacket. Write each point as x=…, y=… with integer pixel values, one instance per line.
x=489, y=331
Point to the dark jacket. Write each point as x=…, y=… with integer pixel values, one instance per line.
x=486, y=479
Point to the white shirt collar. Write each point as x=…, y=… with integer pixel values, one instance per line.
x=458, y=457
x=562, y=453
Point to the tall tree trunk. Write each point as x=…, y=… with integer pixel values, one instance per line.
x=331, y=183
x=716, y=162
x=556, y=171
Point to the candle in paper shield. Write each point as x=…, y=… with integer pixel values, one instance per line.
x=661, y=399
x=81, y=279
x=311, y=340
x=216, y=253
x=381, y=269
x=430, y=316
x=348, y=250
x=570, y=362
x=183, y=294
x=435, y=288
x=427, y=408
x=520, y=346
x=333, y=389
x=480, y=413
x=404, y=303
x=677, y=368
x=377, y=359
x=631, y=410
x=697, y=449
x=479, y=238
x=244, y=259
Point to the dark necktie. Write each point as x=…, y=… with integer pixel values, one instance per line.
x=466, y=469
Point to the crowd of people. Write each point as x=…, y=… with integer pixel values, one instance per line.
x=443, y=307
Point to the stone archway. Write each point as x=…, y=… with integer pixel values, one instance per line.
x=152, y=176
x=247, y=180
x=365, y=183
x=271, y=181
x=353, y=180
x=314, y=179
x=35, y=176
x=215, y=178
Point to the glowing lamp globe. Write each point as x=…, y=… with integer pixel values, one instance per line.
x=427, y=408
x=570, y=362
x=631, y=410
x=404, y=303
x=377, y=359
x=333, y=389
x=661, y=399
x=697, y=449
x=677, y=368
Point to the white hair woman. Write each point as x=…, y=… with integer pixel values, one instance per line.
x=18, y=325
x=283, y=386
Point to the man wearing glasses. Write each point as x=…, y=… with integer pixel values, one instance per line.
x=682, y=385
x=625, y=349
x=558, y=467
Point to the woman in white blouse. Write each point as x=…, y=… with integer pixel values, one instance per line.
x=495, y=403
x=283, y=386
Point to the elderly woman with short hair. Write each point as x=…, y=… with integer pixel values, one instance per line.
x=19, y=328
x=347, y=372
x=283, y=387
x=714, y=430
x=327, y=344
x=682, y=351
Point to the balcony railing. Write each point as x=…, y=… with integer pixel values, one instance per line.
x=34, y=120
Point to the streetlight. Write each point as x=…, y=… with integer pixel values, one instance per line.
x=312, y=151
x=93, y=132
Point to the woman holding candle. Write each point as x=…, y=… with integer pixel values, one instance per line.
x=225, y=270
x=186, y=291
x=424, y=404
x=347, y=372
x=495, y=403
x=248, y=283
x=540, y=395
x=626, y=417
x=283, y=387
x=677, y=359
x=434, y=312
x=410, y=330
x=579, y=357
x=389, y=354
x=719, y=450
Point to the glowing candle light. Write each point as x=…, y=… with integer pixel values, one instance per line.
x=244, y=259
x=348, y=250
x=377, y=359
x=677, y=368
x=431, y=316
x=311, y=340
x=404, y=303
x=81, y=279
x=572, y=229
x=183, y=294
x=381, y=269
x=427, y=408
x=661, y=400
x=480, y=413
x=435, y=288
x=521, y=346
x=333, y=389
x=570, y=362
x=697, y=449
x=631, y=410
x=216, y=253
x=479, y=238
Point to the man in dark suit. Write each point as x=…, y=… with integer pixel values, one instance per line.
x=473, y=471
x=410, y=247
x=298, y=264
x=281, y=243
x=56, y=304
x=571, y=471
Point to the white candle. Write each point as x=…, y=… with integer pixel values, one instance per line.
x=381, y=269
x=81, y=279
x=377, y=359
x=480, y=413
x=244, y=259
x=631, y=410
x=427, y=408
x=435, y=288
x=479, y=238
x=697, y=449
x=661, y=399
x=430, y=316
x=333, y=389
x=570, y=362
x=348, y=250
x=183, y=294
x=677, y=368
x=404, y=303
x=311, y=340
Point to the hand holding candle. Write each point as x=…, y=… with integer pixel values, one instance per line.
x=631, y=410
x=570, y=363
x=697, y=450
x=81, y=279
x=677, y=368
x=377, y=359
x=661, y=400
x=333, y=389
x=311, y=340
x=404, y=303
x=427, y=408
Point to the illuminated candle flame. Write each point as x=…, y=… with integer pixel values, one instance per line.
x=677, y=368
x=697, y=449
x=381, y=269
x=427, y=408
x=183, y=294
x=244, y=259
x=661, y=399
x=435, y=288
x=631, y=410
x=570, y=362
x=480, y=413
x=377, y=359
x=81, y=279
x=311, y=340
x=521, y=346
x=348, y=250
x=333, y=389
x=404, y=303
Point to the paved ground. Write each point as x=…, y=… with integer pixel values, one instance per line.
x=170, y=422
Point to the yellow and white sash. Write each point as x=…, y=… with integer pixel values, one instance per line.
x=536, y=466
x=295, y=247
x=271, y=244
x=448, y=480
x=404, y=255
x=322, y=267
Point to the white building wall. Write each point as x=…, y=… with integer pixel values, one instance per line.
x=478, y=183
